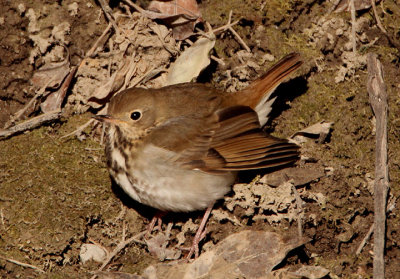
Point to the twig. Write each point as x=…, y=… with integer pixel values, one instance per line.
x=136, y=7
x=223, y=28
x=55, y=100
x=299, y=210
x=93, y=49
x=103, y=131
x=380, y=26
x=118, y=249
x=108, y=13
x=38, y=94
x=30, y=123
x=2, y=218
x=23, y=264
x=378, y=21
x=236, y=34
x=390, y=207
x=378, y=99
x=365, y=239
x=353, y=26
x=79, y=129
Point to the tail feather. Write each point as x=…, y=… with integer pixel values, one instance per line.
x=258, y=93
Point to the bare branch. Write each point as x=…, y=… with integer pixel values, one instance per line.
x=30, y=124
x=23, y=264
x=378, y=99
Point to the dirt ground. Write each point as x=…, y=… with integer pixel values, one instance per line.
x=56, y=194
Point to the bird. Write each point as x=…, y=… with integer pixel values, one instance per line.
x=179, y=148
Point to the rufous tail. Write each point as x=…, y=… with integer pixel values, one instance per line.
x=259, y=91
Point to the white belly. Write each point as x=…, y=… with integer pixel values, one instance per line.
x=155, y=180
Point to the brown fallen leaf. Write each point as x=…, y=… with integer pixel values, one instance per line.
x=112, y=85
x=344, y=5
x=192, y=61
x=54, y=73
x=157, y=247
x=117, y=275
x=304, y=272
x=54, y=100
x=181, y=15
x=312, y=272
x=300, y=176
x=319, y=130
x=247, y=254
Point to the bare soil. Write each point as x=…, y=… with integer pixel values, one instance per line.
x=56, y=194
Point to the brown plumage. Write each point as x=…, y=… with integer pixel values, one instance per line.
x=179, y=148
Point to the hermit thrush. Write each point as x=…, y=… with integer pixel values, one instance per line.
x=179, y=148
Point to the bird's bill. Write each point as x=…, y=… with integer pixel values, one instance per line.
x=107, y=119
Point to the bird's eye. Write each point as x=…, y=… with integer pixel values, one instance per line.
x=136, y=115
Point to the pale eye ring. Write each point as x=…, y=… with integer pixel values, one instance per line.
x=136, y=115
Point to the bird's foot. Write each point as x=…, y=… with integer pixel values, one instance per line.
x=200, y=234
x=157, y=219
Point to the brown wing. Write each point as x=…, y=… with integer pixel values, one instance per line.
x=229, y=140
x=239, y=144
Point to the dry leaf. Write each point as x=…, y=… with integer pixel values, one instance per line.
x=55, y=99
x=53, y=73
x=115, y=82
x=319, y=130
x=304, y=272
x=117, y=275
x=344, y=5
x=92, y=252
x=312, y=272
x=52, y=76
x=181, y=15
x=300, y=176
x=158, y=247
x=191, y=62
x=247, y=254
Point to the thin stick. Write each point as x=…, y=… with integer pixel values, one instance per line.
x=92, y=50
x=390, y=208
x=108, y=13
x=136, y=7
x=225, y=27
x=236, y=34
x=118, y=249
x=378, y=99
x=58, y=97
x=378, y=21
x=365, y=239
x=30, y=124
x=23, y=264
x=79, y=129
x=299, y=210
x=353, y=26
x=380, y=26
x=38, y=94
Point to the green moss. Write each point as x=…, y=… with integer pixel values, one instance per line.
x=46, y=192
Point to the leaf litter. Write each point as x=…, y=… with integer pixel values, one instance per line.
x=143, y=51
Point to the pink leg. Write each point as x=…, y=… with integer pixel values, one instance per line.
x=156, y=219
x=200, y=234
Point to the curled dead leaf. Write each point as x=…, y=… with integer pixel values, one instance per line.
x=181, y=15
x=319, y=130
x=192, y=61
x=53, y=73
x=247, y=254
x=344, y=5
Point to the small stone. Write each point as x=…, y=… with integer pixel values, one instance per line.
x=21, y=8
x=92, y=252
x=339, y=32
x=73, y=9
